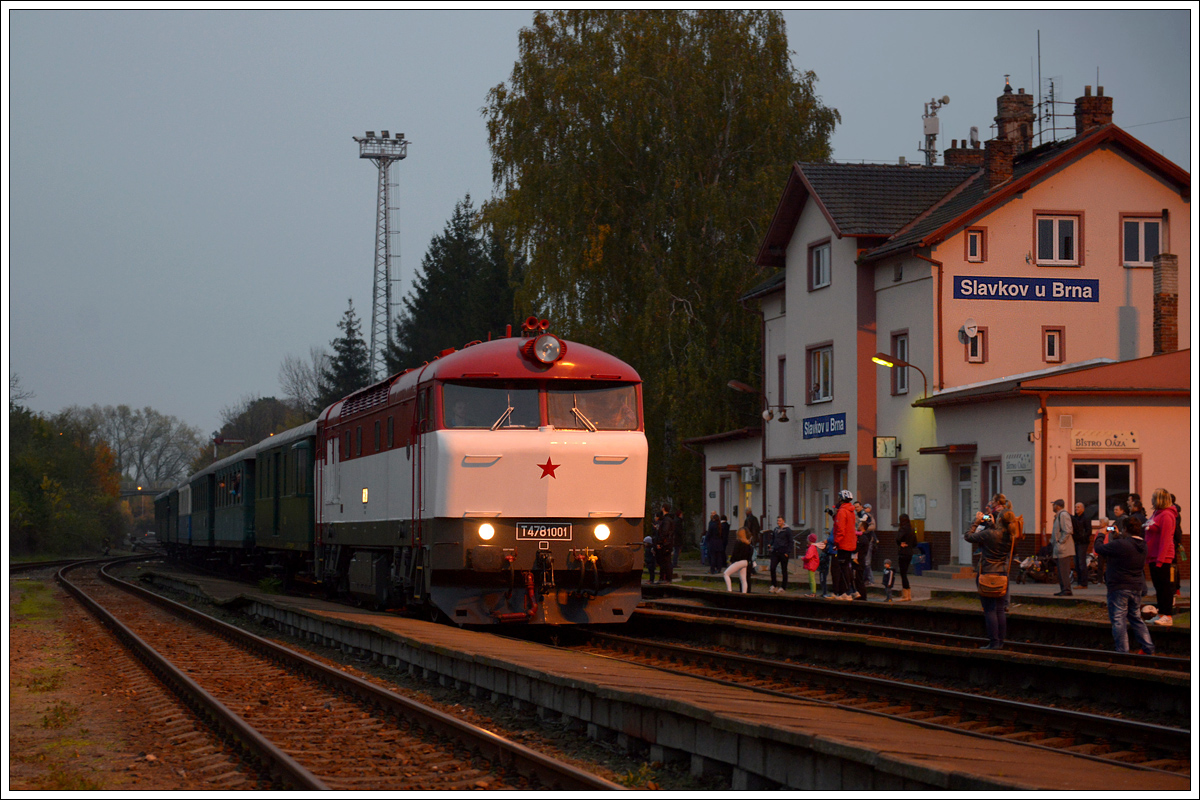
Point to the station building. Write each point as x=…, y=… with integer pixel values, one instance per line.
x=1029, y=302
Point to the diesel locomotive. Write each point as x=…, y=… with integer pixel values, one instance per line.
x=503, y=482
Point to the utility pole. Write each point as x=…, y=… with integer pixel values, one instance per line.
x=382, y=151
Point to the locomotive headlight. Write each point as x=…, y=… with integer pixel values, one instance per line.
x=547, y=348
x=486, y=531
x=602, y=531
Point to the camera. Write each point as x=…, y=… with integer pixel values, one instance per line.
x=987, y=517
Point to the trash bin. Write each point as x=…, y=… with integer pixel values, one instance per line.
x=924, y=559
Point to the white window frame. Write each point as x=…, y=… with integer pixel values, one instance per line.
x=821, y=390
x=901, y=373
x=1056, y=336
x=821, y=260
x=1056, y=221
x=975, y=237
x=1101, y=480
x=977, y=347
x=1139, y=223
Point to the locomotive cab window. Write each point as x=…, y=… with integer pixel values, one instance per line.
x=593, y=406
x=490, y=406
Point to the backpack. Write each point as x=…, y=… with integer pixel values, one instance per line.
x=1019, y=524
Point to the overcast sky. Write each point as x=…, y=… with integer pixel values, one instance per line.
x=185, y=206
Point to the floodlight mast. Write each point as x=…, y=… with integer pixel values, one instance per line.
x=382, y=152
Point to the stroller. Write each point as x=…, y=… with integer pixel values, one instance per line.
x=1039, y=568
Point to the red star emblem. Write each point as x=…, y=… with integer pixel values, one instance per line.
x=548, y=468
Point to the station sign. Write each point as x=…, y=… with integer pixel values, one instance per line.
x=825, y=425
x=1057, y=290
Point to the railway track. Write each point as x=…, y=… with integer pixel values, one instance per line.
x=307, y=725
x=1093, y=655
x=1101, y=738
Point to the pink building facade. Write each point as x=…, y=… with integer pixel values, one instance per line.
x=1041, y=298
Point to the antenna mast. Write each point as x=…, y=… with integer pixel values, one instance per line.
x=931, y=129
x=382, y=152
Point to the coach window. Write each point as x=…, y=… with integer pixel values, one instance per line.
x=358, y=440
x=391, y=433
x=378, y=436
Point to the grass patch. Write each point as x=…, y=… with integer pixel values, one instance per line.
x=45, y=681
x=271, y=586
x=60, y=715
x=36, y=601
x=65, y=780
x=643, y=778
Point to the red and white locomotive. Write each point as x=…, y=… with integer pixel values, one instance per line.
x=503, y=482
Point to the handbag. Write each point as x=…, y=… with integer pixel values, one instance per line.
x=992, y=585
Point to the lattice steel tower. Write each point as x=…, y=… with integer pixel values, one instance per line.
x=382, y=151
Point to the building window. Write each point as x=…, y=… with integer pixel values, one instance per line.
x=899, y=489
x=1053, y=342
x=1140, y=241
x=990, y=473
x=976, y=245
x=782, y=494
x=1058, y=240
x=976, y=347
x=798, y=505
x=782, y=378
x=820, y=373
x=1107, y=481
x=900, y=374
x=819, y=271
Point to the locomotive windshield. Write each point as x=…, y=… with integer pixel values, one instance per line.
x=490, y=406
x=593, y=407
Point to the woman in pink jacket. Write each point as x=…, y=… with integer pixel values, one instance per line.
x=1160, y=554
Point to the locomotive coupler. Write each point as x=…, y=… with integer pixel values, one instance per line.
x=543, y=566
x=530, y=603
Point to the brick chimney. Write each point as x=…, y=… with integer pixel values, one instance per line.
x=969, y=155
x=1166, y=303
x=1092, y=112
x=998, y=161
x=1014, y=118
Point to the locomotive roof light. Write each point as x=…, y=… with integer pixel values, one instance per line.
x=545, y=349
x=602, y=532
x=486, y=531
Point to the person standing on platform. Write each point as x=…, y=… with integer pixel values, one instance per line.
x=889, y=579
x=995, y=538
x=906, y=546
x=847, y=544
x=1124, y=554
x=812, y=561
x=1160, y=554
x=1081, y=535
x=678, y=541
x=650, y=552
x=712, y=541
x=1064, y=547
x=664, y=546
x=723, y=544
x=739, y=565
x=754, y=530
x=781, y=551
x=867, y=542
x=827, y=550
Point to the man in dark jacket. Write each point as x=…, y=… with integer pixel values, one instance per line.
x=1126, y=559
x=712, y=542
x=1081, y=532
x=664, y=545
x=781, y=551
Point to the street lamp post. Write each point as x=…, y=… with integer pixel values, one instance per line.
x=891, y=362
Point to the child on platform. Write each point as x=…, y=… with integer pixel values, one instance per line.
x=889, y=579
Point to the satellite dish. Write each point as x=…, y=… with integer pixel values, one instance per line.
x=945, y=99
x=970, y=328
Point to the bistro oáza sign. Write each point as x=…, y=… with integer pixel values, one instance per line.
x=1061, y=290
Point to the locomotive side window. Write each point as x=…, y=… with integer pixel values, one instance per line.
x=492, y=406
x=592, y=406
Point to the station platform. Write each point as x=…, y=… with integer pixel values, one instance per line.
x=930, y=584
x=750, y=740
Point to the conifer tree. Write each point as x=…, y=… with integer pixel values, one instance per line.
x=461, y=293
x=349, y=368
